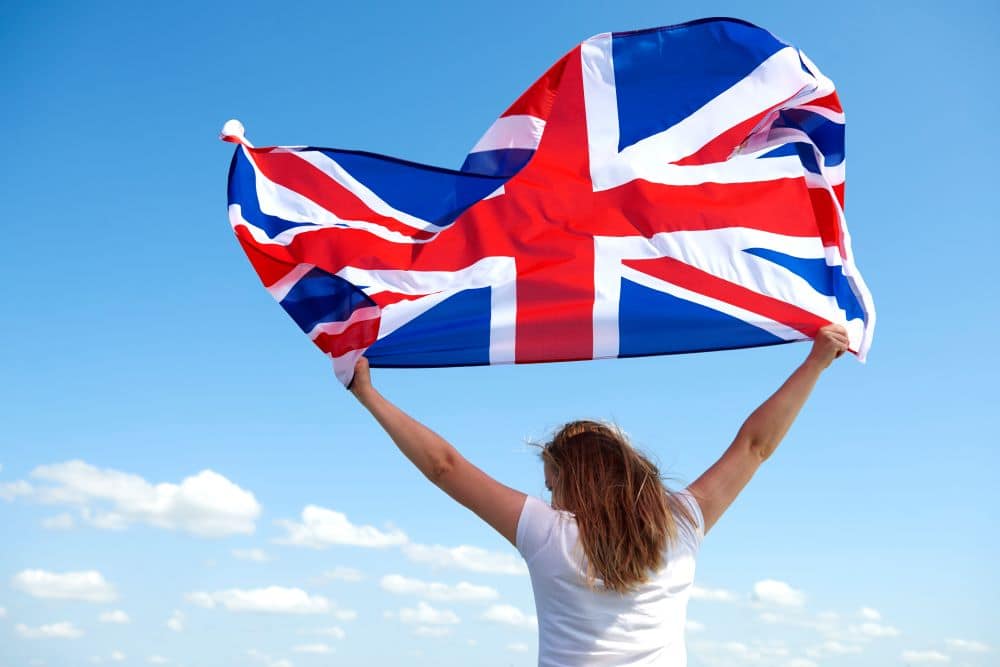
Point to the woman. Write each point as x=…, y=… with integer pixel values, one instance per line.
x=612, y=560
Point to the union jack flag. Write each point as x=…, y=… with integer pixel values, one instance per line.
x=677, y=189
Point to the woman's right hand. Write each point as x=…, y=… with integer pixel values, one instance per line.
x=831, y=341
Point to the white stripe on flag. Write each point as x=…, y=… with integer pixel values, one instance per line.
x=520, y=131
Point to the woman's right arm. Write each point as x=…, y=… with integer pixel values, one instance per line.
x=763, y=430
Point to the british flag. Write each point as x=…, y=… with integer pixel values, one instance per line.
x=677, y=189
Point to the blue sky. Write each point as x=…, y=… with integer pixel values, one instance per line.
x=175, y=454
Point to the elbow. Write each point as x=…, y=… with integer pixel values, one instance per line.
x=761, y=450
x=441, y=466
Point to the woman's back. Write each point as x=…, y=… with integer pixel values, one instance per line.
x=583, y=625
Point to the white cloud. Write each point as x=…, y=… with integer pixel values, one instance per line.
x=771, y=591
x=321, y=527
x=694, y=626
x=64, y=630
x=433, y=631
x=312, y=648
x=62, y=521
x=116, y=616
x=465, y=557
x=923, y=656
x=424, y=614
x=832, y=647
x=3, y=612
x=348, y=574
x=434, y=590
x=117, y=656
x=517, y=647
x=758, y=652
x=969, y=645
x=11, y=490
x=157, y=660
x=206, y=504
x=510, y=615
x=255, y=555
x=89, y=586
x=713, y=594
x=273, y=599
x=176, y=621
x=267, y=660
x=345, y=614
x=869, y=614
x=876, y=630
x=333, y=631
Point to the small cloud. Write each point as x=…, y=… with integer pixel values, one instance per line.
x=157, y=660
x=433, y=631
x=254, y=555
x=89, y=586
x=273, y=599
x=800, y=662
x=510, y=615
x=334, y=631
x=348, y=574
x=116, y=616
x=869, y=614
x=424, y=614
x=465, y=557
x=62, y=521
x=693, y=626
x=3, y=612
x=713, y=594
x=833, y=647
x=176, y=621
x=876, y=630
x=267, y=660
x=913, y=657
x=345, y=614
x=64, y=630
x=433, y=590
x=321, y=528
x=517, y=647
x=771, y=591
x=967, y=645
x=312, y=648
x=117, y=656
x=11, y=490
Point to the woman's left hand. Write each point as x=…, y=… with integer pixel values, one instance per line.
x=362, y=382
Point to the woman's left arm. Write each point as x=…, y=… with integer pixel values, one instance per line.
x=496, y=504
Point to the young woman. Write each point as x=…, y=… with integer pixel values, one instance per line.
x=612, y=559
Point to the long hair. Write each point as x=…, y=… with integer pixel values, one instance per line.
x=625, y=515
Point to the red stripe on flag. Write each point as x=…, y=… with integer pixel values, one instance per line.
x=720, y=148
x=358, y=336
x=827, y=218
x=830, y=101
x=690, y=278
x=271, y=265
x=383, y=299
x=537, y=100
x=289, y=170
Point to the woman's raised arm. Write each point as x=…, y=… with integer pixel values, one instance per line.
x=763, y=430
x=496, y=504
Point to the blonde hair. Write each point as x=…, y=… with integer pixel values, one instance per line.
x=625, y=515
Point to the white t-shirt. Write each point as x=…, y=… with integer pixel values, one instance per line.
x=578, y=626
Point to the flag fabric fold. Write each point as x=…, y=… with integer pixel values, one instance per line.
x=677, y=189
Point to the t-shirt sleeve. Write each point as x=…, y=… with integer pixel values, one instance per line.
x=695, y=533
x=533, y=527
